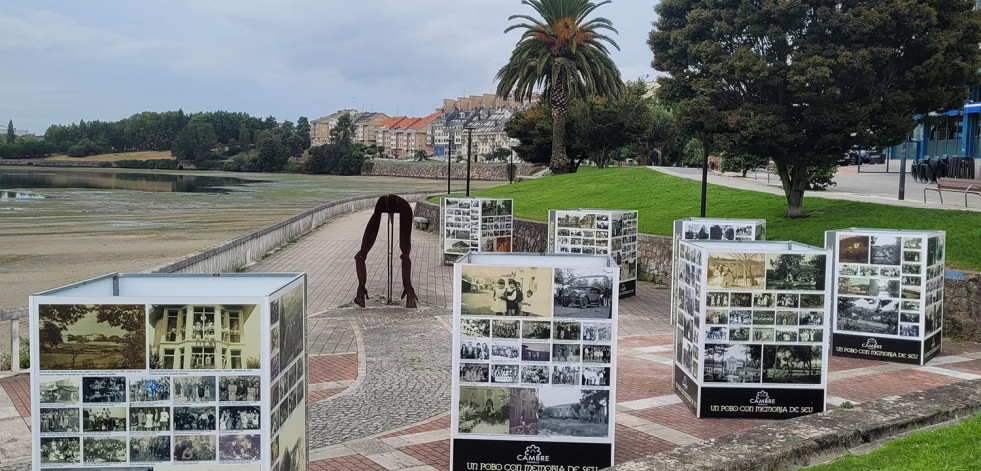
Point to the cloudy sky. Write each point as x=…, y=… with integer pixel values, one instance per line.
x=65, y=60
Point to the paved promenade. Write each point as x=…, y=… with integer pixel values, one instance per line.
x=380, y=376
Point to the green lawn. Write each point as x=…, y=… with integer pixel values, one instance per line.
x=953, y=448
x=663, y=198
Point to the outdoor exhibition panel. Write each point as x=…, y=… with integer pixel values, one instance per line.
x=475, y=225
x=751, y=337
x=535, y=374
x=610, y=232
x=170, y=372
x=710, y=229
x=889, y=294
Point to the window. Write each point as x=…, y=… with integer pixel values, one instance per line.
x=202, y=358
x=168, y=359
x=236, y=359
x=204, y=323
x=173, y=315
x=233, y=319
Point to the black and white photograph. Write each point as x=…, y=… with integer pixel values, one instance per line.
x=596, y=354
x=539, y=330
x=572, y=412
x=741, y=299
x=534, y=374
x=149, y=419
x=194, y=388
x=474, y=350
x=911, y=256
x=274, y=339
x=595, y=376
x=695, y=231
x=788, y=300
x=194, y=448
x=732, y=363
x=535, y=351
x=853, y=286
x=869, y=315
x=187, y=419
x=735, y=270
x=796, y=272
x=291, y=325
x=764, y=317
x=913, y=243
x=763, y=335
x=523, y=418
x=496, y=207
x=853, y=249
x=59, y=390
x=239, y=447
x=505, y=329
x=886, y=250
x=912, y=269
x=583, y=293
x=104, y=419
x=764, y=300
x=474, y=372
x=149, y=449
x=786, y=335
x=506, y=291
x=505, y=350
x=484, y=410
x=909, y=330
x=204, y=337
x=566, y=353
x=59, y=420
x=889, y=272
x=597, y=332
x=910, y=292
x=716, y=333
x=907, y=316
x=61, y=450
x=792, y=364
x=239, y=388
x=103, y=389
x=885, y=288
x=92, y=337
x=576, y=220
x=935, y=251
x=811, y=335
x=504, y=374
x=739, y=334
x=786, y=318
x=149, y=389
x=238, y=418
x=567, y=331
x=104, y=450
x=716, y=299
x=811, y=301
x=811, y=318
x=566, y=375
x=475, y=327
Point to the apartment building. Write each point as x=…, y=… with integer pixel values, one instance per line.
x=320, y=127
x=488, y=132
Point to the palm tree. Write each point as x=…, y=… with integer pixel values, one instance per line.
x=564, y=53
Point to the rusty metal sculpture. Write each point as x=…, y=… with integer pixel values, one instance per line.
x=388, y=204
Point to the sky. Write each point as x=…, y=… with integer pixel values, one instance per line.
x=65, y=60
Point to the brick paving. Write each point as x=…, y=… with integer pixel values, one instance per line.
x=18, y=388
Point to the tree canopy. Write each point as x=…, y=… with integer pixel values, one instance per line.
x=802, y=82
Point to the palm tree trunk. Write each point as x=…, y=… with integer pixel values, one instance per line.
x=560, y=103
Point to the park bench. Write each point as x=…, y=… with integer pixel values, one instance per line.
x=959, y=185
x=421, y=223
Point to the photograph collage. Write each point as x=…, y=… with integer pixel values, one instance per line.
x=763, y=318
x=598, y=232
x=535, y=351
x=288, y=391
x=476, y=224
x=889, y=284
x=148, y=384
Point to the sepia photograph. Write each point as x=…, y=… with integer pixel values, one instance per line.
x=572, y=412
x=874, y=316
x=291, y=325
x=812, y=300
x=735, y=270
x=732, y=363
x=274, y=339
x=506, y=291
x=103, y=389
x=239, y=388
x=565, y=375
x=886, y=250
x=475, y=327
x=539, y=330
x=583, y=293
x=104, y=419
x=796, y=272
x=597, y=332
x=595, y=376
x=60, y=450
x=59, y=390
x=853, y=249
x=149, y=389
x=504, y=374
x=853, y=286
x=149, y=449
x=194, y=388
x=786, y=300
x=596, y=354
x=92, y=337
x=187, y=419
x=59, y=420
x=149, y=419
x=194, y=448
x=204, y=337
x=104, y=450
x=505, y=329
x=798, y=364
x=239, y=447
x=474, y=372
x=484, y=410
x=911, y=292
x=534, y=374
x=523, y=411
x=292, y=442
x=239, y=418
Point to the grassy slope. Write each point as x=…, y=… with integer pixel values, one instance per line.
x=142, y=155
x=663, y=198
x=952, y=448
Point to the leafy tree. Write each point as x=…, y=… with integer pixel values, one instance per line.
x=56, y=319
x=533, y=130
x=693, y=153
x=565, y=53
x=743, y=163
x=343, y=132
x=303, y=131
x=195, y=142
x=271, y=153
x=243, y=137
x=604, y=124
x=802, y=82
x=420, y=155
x=499, y=154
x=11, y=137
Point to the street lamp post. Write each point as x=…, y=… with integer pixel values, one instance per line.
x=469, y=149
x=449, y=159
x=511, y=167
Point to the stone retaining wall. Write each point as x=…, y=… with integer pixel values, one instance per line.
x=56, y=163
x=435, y=170
x=962, y=305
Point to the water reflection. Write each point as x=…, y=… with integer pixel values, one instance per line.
x=106, y=180
x=19, y=195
